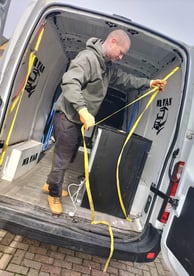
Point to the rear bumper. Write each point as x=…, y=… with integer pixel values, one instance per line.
x=40, y=225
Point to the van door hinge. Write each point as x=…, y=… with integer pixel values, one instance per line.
x=173, y=201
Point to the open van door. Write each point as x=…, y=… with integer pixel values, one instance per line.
x=177, y=242
x=4, y=6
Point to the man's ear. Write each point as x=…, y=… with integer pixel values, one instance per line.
x=114, y=40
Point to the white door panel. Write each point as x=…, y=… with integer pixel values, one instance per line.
x=178, y=239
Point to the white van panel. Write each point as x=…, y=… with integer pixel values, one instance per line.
x=177, y=243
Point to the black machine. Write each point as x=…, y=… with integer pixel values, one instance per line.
x=108, y=145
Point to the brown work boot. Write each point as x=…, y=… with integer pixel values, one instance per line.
x=55, y=205
x=45, y=189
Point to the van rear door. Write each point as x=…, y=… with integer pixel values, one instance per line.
x=4, y=6
x=177, y=242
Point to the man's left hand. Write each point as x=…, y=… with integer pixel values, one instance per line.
x=161, y=84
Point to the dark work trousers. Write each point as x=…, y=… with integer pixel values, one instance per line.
x=67, y=139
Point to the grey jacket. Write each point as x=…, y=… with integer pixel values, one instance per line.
x=86, y=82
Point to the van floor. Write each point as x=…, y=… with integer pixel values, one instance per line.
x=25, y=195
x=28, y=188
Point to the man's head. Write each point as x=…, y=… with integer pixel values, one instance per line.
x=116, y=45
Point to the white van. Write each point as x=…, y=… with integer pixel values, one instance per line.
x=156, y=180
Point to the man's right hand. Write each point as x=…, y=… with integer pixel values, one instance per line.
x=161, y=84
x=86, y=118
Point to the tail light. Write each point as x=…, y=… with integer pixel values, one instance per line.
x=166, y=208
x=151, y=256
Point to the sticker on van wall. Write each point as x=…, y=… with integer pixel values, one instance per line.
x=162, y=115
x=38, y=69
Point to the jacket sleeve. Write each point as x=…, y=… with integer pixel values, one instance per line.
x=75, y=79
x=125, y=81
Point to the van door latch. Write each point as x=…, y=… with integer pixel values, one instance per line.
x=173, y=201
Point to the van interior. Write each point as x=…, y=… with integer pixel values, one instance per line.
x=28, y=157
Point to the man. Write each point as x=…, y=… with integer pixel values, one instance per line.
x=84, y=87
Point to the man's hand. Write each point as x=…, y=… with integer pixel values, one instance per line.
x=86, y=118
x=158, y=83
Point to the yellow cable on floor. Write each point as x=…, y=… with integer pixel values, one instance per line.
x=91, y=203
x=17, y=100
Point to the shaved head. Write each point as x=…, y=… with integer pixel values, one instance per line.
x=120, y=35
x=116, y=45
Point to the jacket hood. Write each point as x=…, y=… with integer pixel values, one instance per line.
x=95, y=44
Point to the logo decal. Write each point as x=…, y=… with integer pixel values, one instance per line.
x=30, y=159
x=162, y=115
x=38, y=69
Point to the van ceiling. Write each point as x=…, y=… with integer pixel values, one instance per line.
x=147, y=57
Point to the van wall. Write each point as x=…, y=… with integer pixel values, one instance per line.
x=49, y=65
x=158, y=125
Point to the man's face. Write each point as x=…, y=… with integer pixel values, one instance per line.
x=117, y=50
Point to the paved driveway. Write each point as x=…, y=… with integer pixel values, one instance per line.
x=22, y=256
